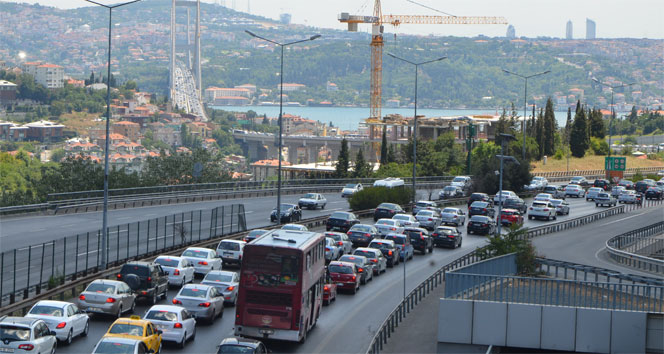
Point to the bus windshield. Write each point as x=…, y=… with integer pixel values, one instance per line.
x=268, y=268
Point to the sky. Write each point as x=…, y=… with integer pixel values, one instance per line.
x=530, y=18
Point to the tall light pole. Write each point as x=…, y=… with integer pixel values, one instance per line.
x=414, y=136
x=525, y=104
x=281, y=106
x=612, y=111
x=505, y=138
x=104, y=232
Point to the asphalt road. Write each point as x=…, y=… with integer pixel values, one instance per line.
x=345, y=326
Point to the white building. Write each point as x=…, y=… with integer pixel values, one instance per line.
x=212, y=93
x=49, y=75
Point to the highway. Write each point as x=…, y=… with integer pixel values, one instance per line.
x=345, y=326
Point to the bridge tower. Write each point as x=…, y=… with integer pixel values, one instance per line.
x=191, y=49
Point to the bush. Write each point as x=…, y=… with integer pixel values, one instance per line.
x=559, y=155
x=56, y=280
x=369, y=198
x=599, y=146
x=514, y=241
x=629, y=140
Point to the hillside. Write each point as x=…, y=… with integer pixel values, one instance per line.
x=471, y=77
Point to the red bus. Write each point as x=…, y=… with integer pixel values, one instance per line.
x=281, y=285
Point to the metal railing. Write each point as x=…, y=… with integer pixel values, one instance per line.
x=587, y=173
x=575, y=271
x=574, y=222
x=628, y=248
x=26, y=271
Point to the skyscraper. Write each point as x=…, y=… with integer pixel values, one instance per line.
x=511, y=33
x=590, y=29
x=569, y=32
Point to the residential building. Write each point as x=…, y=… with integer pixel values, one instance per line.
x=76, y=83
x=49, y=75
x=590, y=29
x=569, y=31
x=292, y=87
x=211, y=94
x=129, y=129
x=250, y=87
x=7, y=92
x=44, y=131
x=4, y=130
x=331, y=87
x=263, y=169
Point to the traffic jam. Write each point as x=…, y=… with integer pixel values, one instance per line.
x=279, y=281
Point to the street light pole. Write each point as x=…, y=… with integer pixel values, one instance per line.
x=414, y=135
x=281, y=106
x=104, y=232
x=612, y=109
x=504, y=139
x=525, y=104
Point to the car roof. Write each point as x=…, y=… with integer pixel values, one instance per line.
x=122, y=340
x=106, y=281
x=139, y=263
x=380, y=240
x=130, y=320
x=396, y=235
x=172, y=308
x=510, y=210
x=370, y=249
x=15, y=320
x=196, y=286
x=341, y=263
x=351, y=256
x=165, y=256
x=52, y=303
x=221, y=272
x=234, y=241
x=199, y=249
x=240, y=341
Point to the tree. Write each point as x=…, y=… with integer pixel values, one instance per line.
x=58, y=154
x=362, y=168
x=391, y=154
x=578, y=141
x=549, y=129
x=539, y=134
x=568, y=124
x=342, y=160
x=265, y=120
x=596, y=125
x=383, y=148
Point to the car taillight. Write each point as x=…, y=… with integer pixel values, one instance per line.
x=484, y=209
x=531, y=208
x=434, y=234
x=422, y=238
x=177, y=325
x=360, y=270
x=393, y=228
x=354, y=277
x=26, y=347
x=485, y=224
x=149, y=279
x=144, y=292
x=177, y=302
x=177, y=272
x=546, y=209
x=204, y=304
x=374, y=260
x=367, y=235
x=230, y=288
x=81, y=297
x=430, y=219
x=327, y=249
x=61, y=325
x=455, y=216
x=110, y=300
x=203, y=263
x=119, y=276
x=339, y=243
x=326, y=288
x=389, y=253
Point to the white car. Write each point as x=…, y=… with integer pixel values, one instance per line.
x=342, y=241
x=499, y=198
x=332, y=250
x=462, y=182
x=119, y=345
x=295, y=227
x=386, y=226
x=422, y=205
x=628, y=196
x=542, y=210
x=226, y=283
x=231, y=251
x=454, y=216
x=63, y=318
x=407, y=220
x=592, y=193
x=203, y=259
x=26, y=335
x=312, y=201
x=617, y=191
x=175, y=323
x=562, y=207
x=574, y=190
x=543, y=197
x=350, y=189
x=180, y=270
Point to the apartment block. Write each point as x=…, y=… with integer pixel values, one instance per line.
x=49, y=75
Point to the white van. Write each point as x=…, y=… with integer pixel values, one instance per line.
x=390, y=182
x=231, y=251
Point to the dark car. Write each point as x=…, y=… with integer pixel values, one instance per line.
x=289, y=213
x=341, y=221
x=387, y=211
x=364, y=266
x=241, y=345
x=420, y=239
x=642, y=186
x=517, y=204
x=654, y=193
x=147, y=280
x=389, y=250
x=361, y=234
x=626, y=183
x=482, y=197
x=447, y=236
x=482, y=225
x=253, y=234
x=481, y=208
x=602, y=183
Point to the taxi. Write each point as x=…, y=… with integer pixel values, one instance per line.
x=136, y=328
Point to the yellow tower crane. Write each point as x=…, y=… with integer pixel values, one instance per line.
x=377, y=21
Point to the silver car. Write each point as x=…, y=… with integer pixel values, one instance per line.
x=407, y=220
x=617, y=190
x=332, y=250
x=342, y=241
x=202, y=301
x=428, y=219
x=312, y=201
x=350, y=189
x=453, y=216
x=562, y=207
x=386, y=226
x=574, y=190
x=422, y=205
x=592, y=193
x=20, y=333
x=226, y=283
x=180, y=270
x=111, y=297
x=374, y=256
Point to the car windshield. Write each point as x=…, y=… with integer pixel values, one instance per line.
x=380, y=245
x=335, y=268
x=398, y=240
x=167, y=262
x=126, y=328
x=478, y=218
x=162, y=315
x=309, y=196
x=46, y=310
x=509, y=212
x=425, y=213
x=340, y=215
x=556, y=201
x=359, y=260
x=459, y=179
x=335, y=237
x=349, y=185
x=233, y=348
x=361, y=228
x=193, y=292
x=387, y=206
x=449, y=210
x=577, y=178
x=229, y=246
x=422, y=204
x=479, y=205
x=114, y=348
x=365, y=253
x=536, y=204
x=218, y=277
x=449, y=189
x=385, y=222
x=195, y=254
x=401, y=217
x=256, y=233
x=101, y=288
x=602, y=195
x=445, y=231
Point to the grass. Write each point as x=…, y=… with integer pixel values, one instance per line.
x=591, y=162
x=80, y=122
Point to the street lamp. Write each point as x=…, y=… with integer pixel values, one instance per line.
x=504, y=139
x=414, y=136
x=281, y=105
x=525, y=104
x=612, y=111
x=104, y=231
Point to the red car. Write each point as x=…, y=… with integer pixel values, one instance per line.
x=510, y=217
x=345, y=275
x=329, y=293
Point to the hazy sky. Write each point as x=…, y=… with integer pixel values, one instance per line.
x=531, y=18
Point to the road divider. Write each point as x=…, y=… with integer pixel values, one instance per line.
x=636, y=248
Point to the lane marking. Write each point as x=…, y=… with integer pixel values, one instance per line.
x=625, y=218
x=325, y=210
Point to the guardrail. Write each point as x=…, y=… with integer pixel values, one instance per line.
x=22, y=209
x=575, y=271
x=618, y=248
x=575, y=222
x=587, y=173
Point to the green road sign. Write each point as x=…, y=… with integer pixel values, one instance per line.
x=615, y=163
